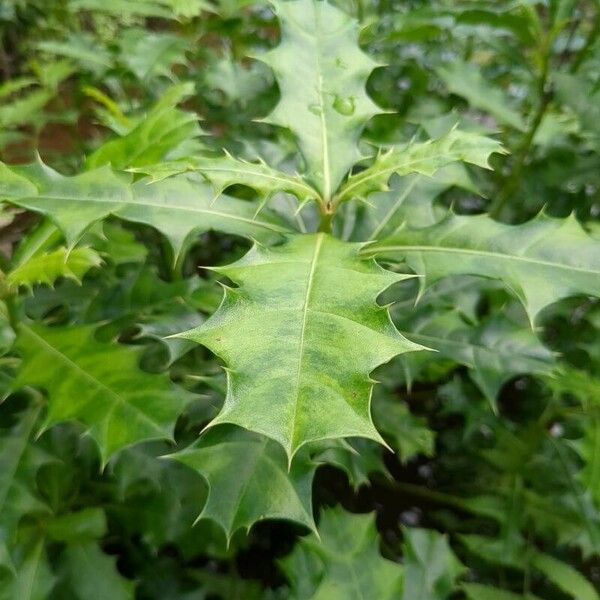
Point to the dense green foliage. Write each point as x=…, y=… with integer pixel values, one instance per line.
x=395, y=393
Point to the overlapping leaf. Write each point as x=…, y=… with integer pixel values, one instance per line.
x=248, y=480
x=177, y=207
x=322, y=74
x=300, y=336
x=425, y=158
x=540, y=261
x=344, y=564
x=120, y=406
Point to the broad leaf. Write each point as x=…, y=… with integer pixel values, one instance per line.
x=300, y=336
x=248, y=480
x=540, y=261
x=322, y=74
x=177, y=207
x=119, y=406
x=344, y=563
x=475, y=591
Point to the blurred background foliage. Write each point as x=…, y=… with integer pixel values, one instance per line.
x=496, y=490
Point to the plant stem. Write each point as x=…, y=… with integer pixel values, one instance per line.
x=326, y=218
x=511, y=183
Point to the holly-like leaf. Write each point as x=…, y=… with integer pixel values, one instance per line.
x=99, y=385
x=430, y=566
x=540, y=261
x=423, y=157
x=248, y=480
x=177, y=207
x=226, y=170
x=495, y=350
x=321, y=73
x=344, y=563
x=300, y=336
x=47, y=268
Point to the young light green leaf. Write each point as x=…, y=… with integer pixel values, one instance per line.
x=422, y=157
x=430, y=566
x=226, y=170
x=344, y=564
x=47, y=268
x=540, y=261
x=322, y=74
x=248, y=480
x=300, y=336
x=119, y=406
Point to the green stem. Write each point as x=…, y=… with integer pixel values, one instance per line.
x=511, y=183
x=326, y=220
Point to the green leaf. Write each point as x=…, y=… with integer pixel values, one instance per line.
x=430, y=566
x=92, y=574
x=120, y=406
x=286, y=379
x=47, y=268
x=344, y=564
x=495, y=350
x=226, y=170
x=540, y=261
x=33, y=579
x=568, y=579
x=465, y=80
x=248, y=480
x=406, y=433
x=420, y=157
x=322, y=74
x=162, y=131
x=177, y=207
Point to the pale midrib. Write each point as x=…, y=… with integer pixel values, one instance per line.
x=361, y=179
x=126, y=204
x=309, y=285
x=535, y=261
x=117, y=399
x=394, y=208
x=288, y=181
x=324, y=138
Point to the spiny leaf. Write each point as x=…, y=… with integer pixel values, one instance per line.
x=540, y=261
x=47, y=268
x=423, y=157
x=226, y=170
x=178, y=207
x=119, y=406
x=321, y=73
x=300, y=336
x=248, y=480
x=344, y=564
x=495, y=350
